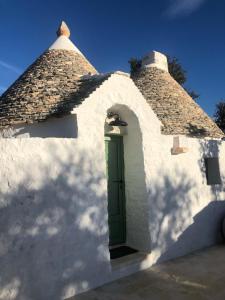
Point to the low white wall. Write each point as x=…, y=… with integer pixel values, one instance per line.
x=53, y=205
x=64, y=127
x=185, y=212
x=53, y=218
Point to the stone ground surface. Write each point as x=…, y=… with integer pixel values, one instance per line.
x=197, y=276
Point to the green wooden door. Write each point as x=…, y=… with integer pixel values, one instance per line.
x=116, y=195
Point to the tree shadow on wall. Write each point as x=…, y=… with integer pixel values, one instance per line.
x=54, y=230
x=204, y=231
x=53, y=227
x=170, y=210
x=184, y=220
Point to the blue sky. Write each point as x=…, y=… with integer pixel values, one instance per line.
x=110, y=32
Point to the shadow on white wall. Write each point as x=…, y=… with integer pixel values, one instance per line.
x=64, y=127
x=54, y=230
x=53, y=233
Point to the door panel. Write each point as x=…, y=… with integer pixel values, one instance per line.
x=116, y=195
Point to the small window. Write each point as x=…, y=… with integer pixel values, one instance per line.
x=212, y=170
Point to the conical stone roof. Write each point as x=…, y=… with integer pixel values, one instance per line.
x=48, y=86
x=178, y=112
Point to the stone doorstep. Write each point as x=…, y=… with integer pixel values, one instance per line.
x=127, y=261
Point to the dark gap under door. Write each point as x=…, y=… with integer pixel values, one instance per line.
x=121, y=251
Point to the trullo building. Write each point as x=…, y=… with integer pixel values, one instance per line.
x=94, y=166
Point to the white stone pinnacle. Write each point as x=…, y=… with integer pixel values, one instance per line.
x=63, y=42
x=155, y=59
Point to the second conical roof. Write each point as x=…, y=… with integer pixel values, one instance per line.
x=177, y=111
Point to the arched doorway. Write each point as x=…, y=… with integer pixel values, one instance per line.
x=128, y=215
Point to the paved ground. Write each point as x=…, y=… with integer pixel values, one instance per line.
x=195, y=277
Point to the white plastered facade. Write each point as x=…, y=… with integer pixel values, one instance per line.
x=53, y=206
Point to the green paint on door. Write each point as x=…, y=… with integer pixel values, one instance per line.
x=116, y=193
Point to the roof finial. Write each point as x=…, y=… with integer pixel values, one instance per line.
x=63, y=30
x=155, y=59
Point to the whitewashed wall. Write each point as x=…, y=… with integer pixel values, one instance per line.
x=185, y=212
x=53, y=205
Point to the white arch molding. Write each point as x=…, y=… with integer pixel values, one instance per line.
x=137, y=216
